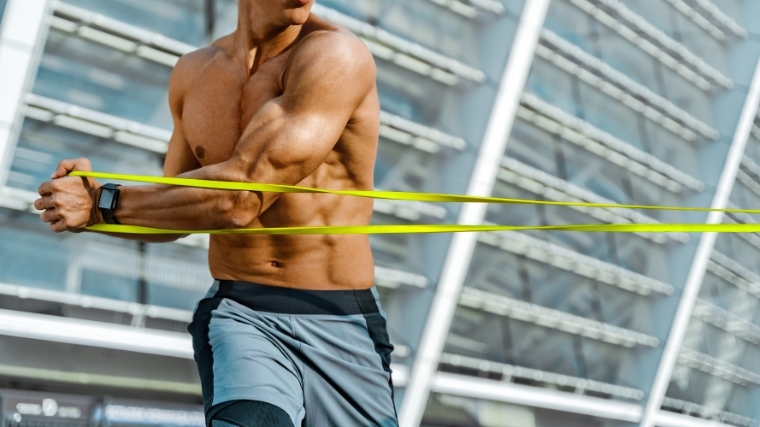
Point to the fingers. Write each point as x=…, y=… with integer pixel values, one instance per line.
x=60, y=184
x=44, y=203
x=51, y=216
x=69, y=165
x=58, y=222
x=58, y=227
x=46, y=188
x=67, y=201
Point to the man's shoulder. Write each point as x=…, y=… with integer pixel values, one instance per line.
x=187, y=70
x=337, y=41
x=334, y=47
x=193, y=62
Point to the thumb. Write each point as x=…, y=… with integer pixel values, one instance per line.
x=67, y=166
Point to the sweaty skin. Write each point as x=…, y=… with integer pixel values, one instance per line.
x=288, y=98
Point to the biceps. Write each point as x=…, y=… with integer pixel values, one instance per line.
x=286, y=147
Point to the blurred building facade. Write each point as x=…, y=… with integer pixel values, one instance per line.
x=648, y=103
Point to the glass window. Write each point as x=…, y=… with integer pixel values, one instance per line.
x=104, y=79
x=419, y=21
x=601, y=41
x=418, y=98
x=490, y=337
x=181, y=20
x=744, y=196
x=2, y=9
x=691, y=385
x=42, y=145
x=30, y=255
x=518, y=277
x=624, y=56
x=753, y=146
x=740, y=250
x=175, y=276
x=570, y=23
x=659, y=14
x=719, y=292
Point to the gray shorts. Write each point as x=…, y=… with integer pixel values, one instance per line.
x=321, y=356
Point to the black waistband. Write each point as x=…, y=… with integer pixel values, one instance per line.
x=275, y=299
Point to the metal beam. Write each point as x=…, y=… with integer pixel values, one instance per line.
x=95, y=334
x=499, y=391
x=22, y=37
x=460, y=385
x=481, y=183
x=702, y=256
x=670, y=419
x=117, y=337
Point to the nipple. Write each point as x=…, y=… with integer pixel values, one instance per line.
x=200, y=152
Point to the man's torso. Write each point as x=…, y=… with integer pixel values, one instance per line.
x=216, y=108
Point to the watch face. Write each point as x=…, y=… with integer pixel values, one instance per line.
x=106, y=198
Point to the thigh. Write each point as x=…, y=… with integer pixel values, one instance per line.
x=243, y=355
x=347, y=376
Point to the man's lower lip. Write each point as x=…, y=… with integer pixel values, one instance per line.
x=302, y=2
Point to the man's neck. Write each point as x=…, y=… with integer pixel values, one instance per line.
x=258, y=40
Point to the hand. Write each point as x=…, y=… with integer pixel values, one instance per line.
x=70, y=203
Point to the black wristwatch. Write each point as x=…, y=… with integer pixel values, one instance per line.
x=109, y=197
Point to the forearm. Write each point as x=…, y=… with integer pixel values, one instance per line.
x=187, y=208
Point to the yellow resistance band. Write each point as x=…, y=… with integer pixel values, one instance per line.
x=416, y=197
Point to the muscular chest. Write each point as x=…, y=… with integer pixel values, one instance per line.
x=218, y=107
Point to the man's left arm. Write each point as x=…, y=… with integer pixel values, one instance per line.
x=285, y=141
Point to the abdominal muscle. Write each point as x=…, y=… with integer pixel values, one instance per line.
x=316, y=262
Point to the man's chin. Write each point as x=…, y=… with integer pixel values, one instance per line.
x=299, y=16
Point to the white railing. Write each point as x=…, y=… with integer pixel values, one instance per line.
x=709, y=19
x=734, y=273
x=619, y=86
x=97, y=303
x=553, y=319
x=718, y=368
x=419, y=136
x=581, y=133
x=651, y=40
x=508, y=372
x=113, y=33
x=556, y=189
x=574, y=262
x=412, y=56
x=718, y=16
x=99, y=124
x=706, y=413
x=735, y=218
x=128, y=38
x=727, y=321
x=161, y=49
x=471, y=8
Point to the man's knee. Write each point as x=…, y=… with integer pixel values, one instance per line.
x=249, y=413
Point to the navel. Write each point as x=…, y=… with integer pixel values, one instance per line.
x=200, y=152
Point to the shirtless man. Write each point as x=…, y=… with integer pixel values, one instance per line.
x=291, y=331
